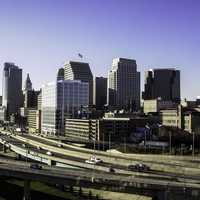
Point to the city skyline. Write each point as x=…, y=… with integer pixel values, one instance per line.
x=166, y=38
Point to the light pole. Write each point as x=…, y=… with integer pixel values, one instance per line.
x=170, y=142
x=125, y=144
x=193, y=144
x=109, y=141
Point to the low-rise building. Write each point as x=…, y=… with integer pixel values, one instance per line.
x=183, y=118
x=82, y=129
x=155, y=105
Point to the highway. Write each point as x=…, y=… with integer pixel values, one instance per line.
x=74, y=156
x=173, y=164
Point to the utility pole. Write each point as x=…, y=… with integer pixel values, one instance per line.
x=145, y=139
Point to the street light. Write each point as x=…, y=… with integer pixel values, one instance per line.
x=145, y=136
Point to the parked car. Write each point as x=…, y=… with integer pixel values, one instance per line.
x=35, y=166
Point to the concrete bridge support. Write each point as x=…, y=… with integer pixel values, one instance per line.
x=4, y=148
x=27, y=195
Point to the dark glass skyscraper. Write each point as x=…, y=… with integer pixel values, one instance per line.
x=162, y=83
x=80, y=71
x=100, y=92
x=12, y=89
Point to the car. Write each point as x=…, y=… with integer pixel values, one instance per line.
x=139, y=167
x=111, y=170
x=89, y=161
x=39, y=148
x=60, y=145
x=95, y=159
x=35, y=166
x=49, y=153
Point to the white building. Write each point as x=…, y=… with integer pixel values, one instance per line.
x=124, y=85
x=62, y=99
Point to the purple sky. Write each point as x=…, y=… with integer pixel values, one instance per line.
x=39, y=35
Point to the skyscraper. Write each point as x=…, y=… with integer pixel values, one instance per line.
x=124, y=84
x=12, y=89
x=162, y=83
x=100, y=92
x=80, y=71
x=62, y=99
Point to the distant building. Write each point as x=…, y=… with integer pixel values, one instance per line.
x=12, y=89
x=191, y=104
x=100, y=92
x=98, y=129
x=155, y=105
x=39, y=101
x=61, y=74
x=31, y=98
x=28, y=84
x=60, y=100
x=34, y=120
x=0, y=100
x=81, y=129
x=124, y=85
x=183, y=118
x=80, y=71
x=162, y=83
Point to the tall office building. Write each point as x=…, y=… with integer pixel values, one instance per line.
x=100, y=92
x=124, y=85
x=60, y=100
x=162, y=83
x=12, y=89
x=80, y=71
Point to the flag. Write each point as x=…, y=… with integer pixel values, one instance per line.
x=80, y=55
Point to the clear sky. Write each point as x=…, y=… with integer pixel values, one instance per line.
x=39, y=35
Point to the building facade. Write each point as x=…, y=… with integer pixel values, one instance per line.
x=100, y=92
x=81, y=129
x=162, y=83
x=61, y=74
x=155, y=105
x=60, y=100
x=12, y=98
x=124, y=85
x=34, y=120
x=80, y=71
x=183, y=118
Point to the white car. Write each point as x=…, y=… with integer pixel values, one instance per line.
x=96, y=160
x=49, y=153
x=89, y=161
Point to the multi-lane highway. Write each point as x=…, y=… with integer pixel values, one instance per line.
x=160, y=175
